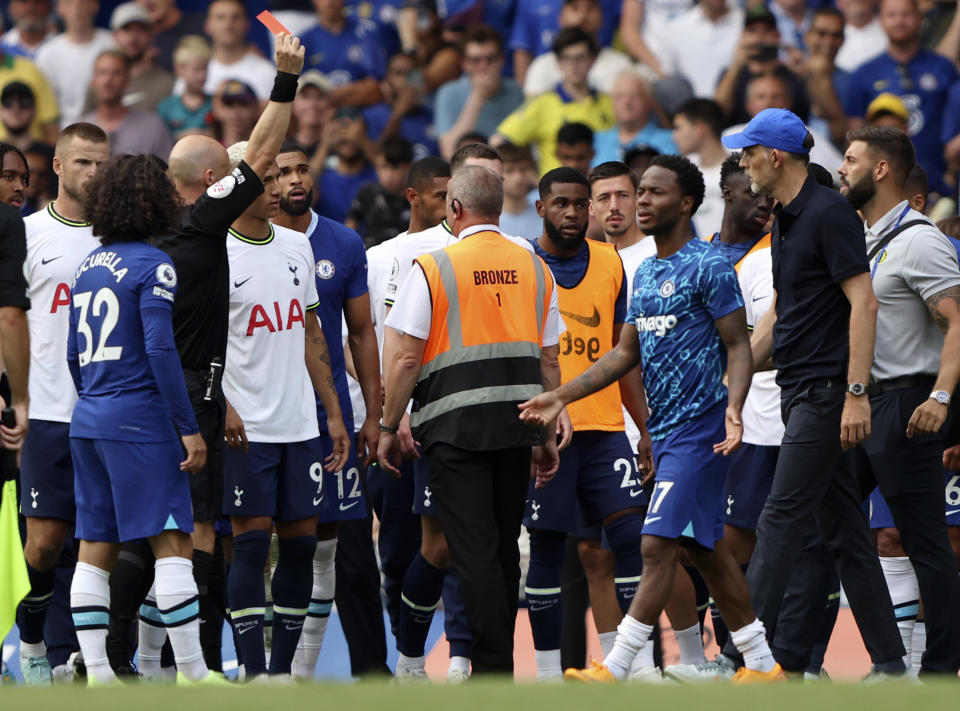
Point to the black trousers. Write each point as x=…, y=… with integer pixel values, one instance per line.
x=480, y=498
x=814, y=477
x=909, y=473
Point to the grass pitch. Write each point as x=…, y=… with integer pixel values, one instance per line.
x=492, y=696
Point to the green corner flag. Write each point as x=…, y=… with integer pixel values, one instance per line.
x=14, y=583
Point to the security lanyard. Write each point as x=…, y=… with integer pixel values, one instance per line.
x=883, y=252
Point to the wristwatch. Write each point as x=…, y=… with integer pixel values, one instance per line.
x=941, y=396
x=857, y=389
x=387, y=428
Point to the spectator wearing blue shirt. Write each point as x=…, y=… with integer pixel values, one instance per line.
x=481, y=98
x=344, y=143
x=349, y=51
x=536, y=23
x=404, y=112
x=920, y=77
x=636, y=123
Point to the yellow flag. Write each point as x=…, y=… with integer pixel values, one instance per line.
x=14, y=583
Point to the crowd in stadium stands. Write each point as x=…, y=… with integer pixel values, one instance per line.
x=389, y=82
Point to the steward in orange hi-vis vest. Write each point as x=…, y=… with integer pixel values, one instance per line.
x=490, y=299
x=588, y=311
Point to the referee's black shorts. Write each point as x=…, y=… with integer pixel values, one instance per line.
x=206, y=486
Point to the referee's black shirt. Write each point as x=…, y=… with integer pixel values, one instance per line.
x=818, y=241
x=198, y=249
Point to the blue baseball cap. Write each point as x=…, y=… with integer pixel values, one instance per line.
x=773, y=128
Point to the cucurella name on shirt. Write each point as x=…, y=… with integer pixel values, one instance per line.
x=110, y=260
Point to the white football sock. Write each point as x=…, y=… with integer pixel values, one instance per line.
x=178, y=602
x=644, y=658
x=151, y=636
x=90, y=604
x=918, y=646
x=905, y=595
x=632, y=636
x=690, y=642
x=459, y=664
x=321, y=597
x=405, y=663
x=34, y=650
x=548, y=664
x=751, y=642
x=606, y=642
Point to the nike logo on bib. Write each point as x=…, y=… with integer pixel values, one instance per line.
x=237, y=283
x=588, y=321
x=47, y=261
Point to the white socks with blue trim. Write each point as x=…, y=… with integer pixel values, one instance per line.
x=90, y=607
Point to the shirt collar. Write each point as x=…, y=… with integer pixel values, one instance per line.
x=567, y=99
x=802, y=198
x=466, y=232
x=314, y=220
x=887, y=221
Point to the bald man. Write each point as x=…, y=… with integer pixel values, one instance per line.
x=216, y=197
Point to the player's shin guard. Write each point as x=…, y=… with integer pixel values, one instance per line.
x=32, y=612
x=542, y=591
x=318, y=613
x=905, y=595
x=179, y=608
x=152, y=635
x=247, y=598
x=90, y=607
x=292, y=583
x=421, y=593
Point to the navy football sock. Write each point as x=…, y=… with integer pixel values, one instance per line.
x=292, y=583
x=421, y=592
x=624, y=537
x=542, y=588
x=702, y=592
x=248, y=598
x=32, y=612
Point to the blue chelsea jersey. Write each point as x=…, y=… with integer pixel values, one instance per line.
x=119, y=293
x=674, y=305
x=356, y=53
x=340, y=268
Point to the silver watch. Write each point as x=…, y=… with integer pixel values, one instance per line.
x=941, y=396
x=857, y=389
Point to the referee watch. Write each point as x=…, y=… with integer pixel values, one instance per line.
x=857, y=389
x=941, y=396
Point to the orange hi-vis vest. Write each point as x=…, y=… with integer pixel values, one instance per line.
x=762, y=243
x=588, y=312
x=490, y=299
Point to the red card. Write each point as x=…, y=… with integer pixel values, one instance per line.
x=272, y=23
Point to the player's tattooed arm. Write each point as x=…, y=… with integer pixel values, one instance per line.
x=929, y=415
x=614, y=364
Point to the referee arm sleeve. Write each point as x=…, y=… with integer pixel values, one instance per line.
x=165, y=364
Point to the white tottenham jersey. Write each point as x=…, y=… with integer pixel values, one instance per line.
x=272, y=293
x=55, y=248
x=762, y=421
x=410, y=246
x=631, y=257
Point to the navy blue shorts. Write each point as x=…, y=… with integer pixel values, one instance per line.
x=343, y=498
x=748, y=484
x=283, y=481
x=879, y=512
x=129, y=490
x=46, y=472
x=599, y=470
x=951, y=493
x=422, y=496
x=687, y=499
